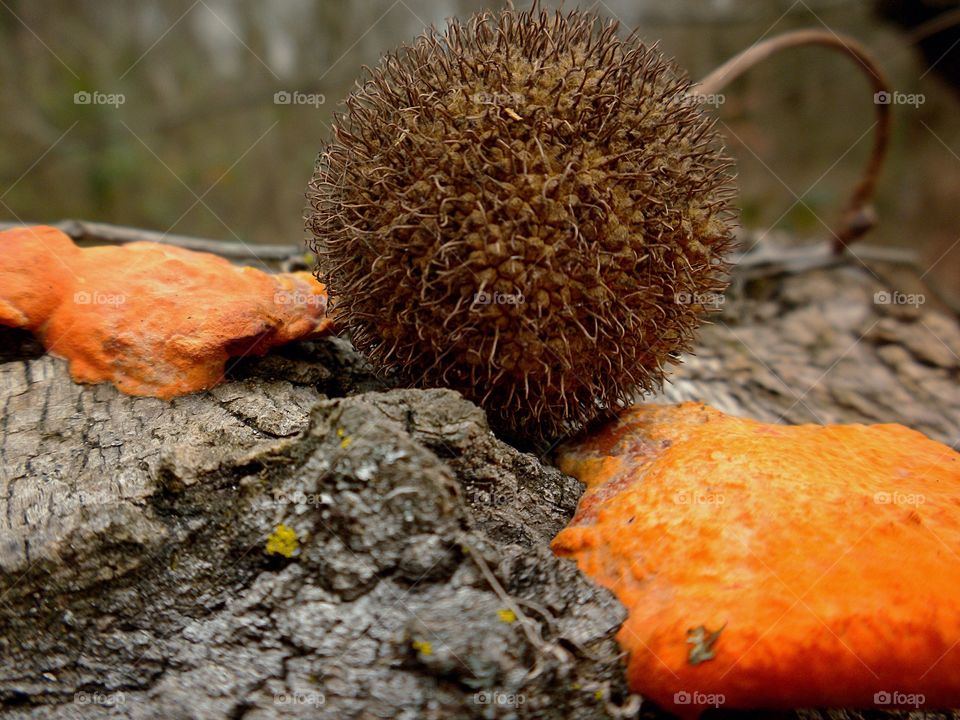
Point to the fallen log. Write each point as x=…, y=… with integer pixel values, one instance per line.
x=305, y=540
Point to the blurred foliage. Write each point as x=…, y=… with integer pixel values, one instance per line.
x=200, y=147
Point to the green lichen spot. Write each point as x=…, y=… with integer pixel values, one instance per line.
x=283, y=541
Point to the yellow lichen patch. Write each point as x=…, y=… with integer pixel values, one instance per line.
x=283, y=541
x=424, y=647
x=507, y=615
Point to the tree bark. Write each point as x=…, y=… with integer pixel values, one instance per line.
x=134, y=574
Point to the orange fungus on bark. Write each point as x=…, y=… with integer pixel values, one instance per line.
x=150, y=318
x=769, y=566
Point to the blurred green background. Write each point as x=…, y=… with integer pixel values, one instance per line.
x=199, y=146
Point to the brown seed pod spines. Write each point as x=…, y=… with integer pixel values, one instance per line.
x=513, y=207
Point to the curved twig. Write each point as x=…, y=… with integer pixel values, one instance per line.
x=859, y=215
x=933, y=27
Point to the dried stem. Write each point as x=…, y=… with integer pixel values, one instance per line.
x=933, y=27
x=859, y=215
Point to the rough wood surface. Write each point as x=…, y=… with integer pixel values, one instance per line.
x=134, y=580
x=826, y=346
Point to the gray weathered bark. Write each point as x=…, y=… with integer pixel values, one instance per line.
x=134, y=580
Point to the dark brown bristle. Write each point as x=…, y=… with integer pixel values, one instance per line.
x=542, y=163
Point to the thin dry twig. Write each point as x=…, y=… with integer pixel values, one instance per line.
x=933, y=27
x=859, y=215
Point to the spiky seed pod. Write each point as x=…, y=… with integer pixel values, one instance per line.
x=525, y=208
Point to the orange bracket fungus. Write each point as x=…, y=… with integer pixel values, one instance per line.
x=773, y=567
x=152, y=319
